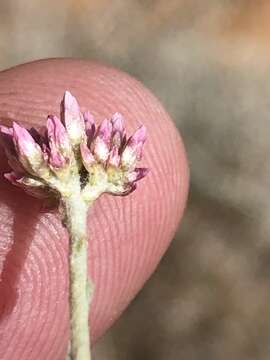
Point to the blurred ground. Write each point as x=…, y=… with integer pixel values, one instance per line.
x=208, y=61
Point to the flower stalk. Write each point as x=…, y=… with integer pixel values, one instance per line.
x=74, y=161
x=76, y=222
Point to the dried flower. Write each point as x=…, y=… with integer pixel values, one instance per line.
x=101, y=156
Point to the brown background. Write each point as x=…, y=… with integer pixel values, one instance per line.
x=208, y=62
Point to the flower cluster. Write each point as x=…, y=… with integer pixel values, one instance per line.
x=74, y=150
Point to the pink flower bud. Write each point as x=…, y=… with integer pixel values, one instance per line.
x=24, y=143
x=87, y=157
x=118, y=130
x=29, y=152
x=133, y=150
x=90, y=126
x=102, y=141
x=118, y=123
x=73, y=119
x=114, y=157
x=8, y=143
x=59, y=152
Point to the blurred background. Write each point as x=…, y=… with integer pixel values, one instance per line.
x=208, y=62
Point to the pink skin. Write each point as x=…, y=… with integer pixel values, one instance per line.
x=128, y=235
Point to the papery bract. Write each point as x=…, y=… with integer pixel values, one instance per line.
x=133, y=148
x=102, y=141
x=73, y=119
x=59, y=143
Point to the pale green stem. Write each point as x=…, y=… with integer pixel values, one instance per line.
x=76, y=217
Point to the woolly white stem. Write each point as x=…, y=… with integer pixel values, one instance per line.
x=76, y=216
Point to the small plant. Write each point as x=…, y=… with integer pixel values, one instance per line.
x=75, y=161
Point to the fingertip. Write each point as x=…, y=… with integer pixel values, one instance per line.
x=128, y=235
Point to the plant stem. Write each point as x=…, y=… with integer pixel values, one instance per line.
x=76, y=216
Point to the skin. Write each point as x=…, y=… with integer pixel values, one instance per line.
x=128, y=235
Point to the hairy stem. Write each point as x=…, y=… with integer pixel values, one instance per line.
x=79, y=294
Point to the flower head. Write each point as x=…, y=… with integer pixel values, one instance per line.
x=74, y=150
